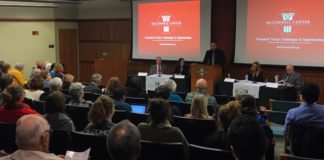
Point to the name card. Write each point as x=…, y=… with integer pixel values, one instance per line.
x=144, y=74
x=179, y=76
x=231, y=80
x=272, y=85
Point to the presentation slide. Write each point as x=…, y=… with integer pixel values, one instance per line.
x=170, y=29
x=280, y=32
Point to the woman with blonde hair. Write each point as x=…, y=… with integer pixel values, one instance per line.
x=111, y=85
x=100, y=116
x=199, y=108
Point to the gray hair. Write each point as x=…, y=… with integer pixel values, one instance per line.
x=170, y=84
x=96, y=77
x=75, y=90
x=55, y=84
x=239, y=92
x=123, y=141
x=19, y=66
x=29, y=129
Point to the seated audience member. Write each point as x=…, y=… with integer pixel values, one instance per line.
x=40, y=64
x=239, y=92
x=126, y=136
x=77, y=93
x=181, y=68
x=201, y=87
x=135, y=89
x=246, y=138
x=198, y=108
x=111, y=85
x=5, y=81
x=67, y=80
x=13, y=107
x=163, y=92
x=35, y=85
x=160, y=128
x=224, y=118
x=158, y=68
x=55, y=84
x=93, y=87
x=5, y=68
x=18, y=74
x=100, y=116
x=291, y=77
x=32, y=139
x=172, y=86
x=256, y=74
x=119, y=96
x=308, y=113
x=55, y=112
x=46, y=76
x=58, y=71
x=35, y=72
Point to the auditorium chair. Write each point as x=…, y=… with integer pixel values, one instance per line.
x=38, y=106
x=79, y=116
x=306, y=141
x=82, y=141
x=120, y=115
x=59, y=142
x=222, y=99
x=283, y=106
x=291, y=157
x=151, y=93
x=65, y=91
x=135, y=100
x=195, y=130
x=8, y=137
x=183, y=95
x=137, y=118
x=162, y=151
x=205, y=153
x=185, y=107
x=91, y=96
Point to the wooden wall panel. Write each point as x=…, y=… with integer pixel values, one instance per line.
x=87, y=51
x=86, y=70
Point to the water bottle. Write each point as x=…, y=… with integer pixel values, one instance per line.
x=246, y=77
x=228, y=75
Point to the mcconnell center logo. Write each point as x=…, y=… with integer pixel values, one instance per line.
x=288, y=22
x=167, y=23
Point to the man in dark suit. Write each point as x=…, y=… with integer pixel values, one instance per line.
x=93, y=87
x=158, y=68
x=214, y=56
x=291, y=77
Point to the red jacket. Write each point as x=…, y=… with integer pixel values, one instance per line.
x=12, y=115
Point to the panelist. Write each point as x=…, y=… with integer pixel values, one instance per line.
x=158, y=68
x=214, y=56
x=181, y=68
x=255, y=74
x=291, y=77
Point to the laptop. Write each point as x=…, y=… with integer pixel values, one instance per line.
x=138, y=108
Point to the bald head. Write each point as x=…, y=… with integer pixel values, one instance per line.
x=290, y=69
x=30, y=133
x=201, y=85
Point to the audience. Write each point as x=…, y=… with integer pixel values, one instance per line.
x=93, y=87
x=58, y=71
x=68, y=79
x=198, y=108
x=201, y=87
x=77, y=93
x=172, y=86
x=55, y=112
x=123, y=141
x=18, y=75
x=163, y=92
x=239, y=92
x=111, y=85
x=246, y=138
x=5, y=81
x=256, y=74
x=225, y=115
x=5, y=68
x=100, y=116
x=35, y=72
x=46, y=76
x=135, y=89
x=32, y=139
x=308, y=113
x=13, y=107
x=55, y=84
x=35, y=85
x=119, y=96
x=160, y=129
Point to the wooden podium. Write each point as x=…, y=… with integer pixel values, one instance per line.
x=210, y=73
x=111, y=67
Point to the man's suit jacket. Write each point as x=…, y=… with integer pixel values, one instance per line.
x=92, y=88
x=219, y=58
x=153, y=69
x=294, y=79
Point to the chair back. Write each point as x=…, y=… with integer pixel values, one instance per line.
x=82, y=141
x=222, y=99
x=137, y=118
x=150, y=93
x=120, y=115
x=88, y=96
x=135, y=100
x=38, y=106
x=283, y=106
x=8, y=137
x=195, y=130
x=59, y=142
x=79, y=116
x=277, y=117
x=65, y=91
x=161, y=151
x=205, y=153
x=183, y=95
x=306, y=141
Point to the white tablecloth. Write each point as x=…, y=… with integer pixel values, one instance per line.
x=249, y=87
x=154, y=81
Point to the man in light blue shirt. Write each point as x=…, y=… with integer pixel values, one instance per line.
x=308, y=113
